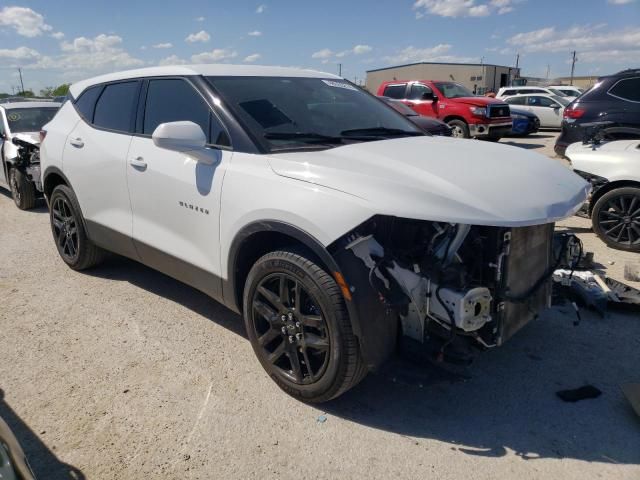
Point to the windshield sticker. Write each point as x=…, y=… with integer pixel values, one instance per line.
x=13, y=117
x=332, y=83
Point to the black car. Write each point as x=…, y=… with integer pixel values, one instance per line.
x=428, y=124
x=614, y=100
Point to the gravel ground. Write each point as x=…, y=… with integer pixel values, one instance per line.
x=123, y=373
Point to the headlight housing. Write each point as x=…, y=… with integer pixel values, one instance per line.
x=478, y=111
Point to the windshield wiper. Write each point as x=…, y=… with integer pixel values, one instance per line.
x=380, y=132
x=304, y=136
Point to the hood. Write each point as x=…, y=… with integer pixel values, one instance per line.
x=444, y=179
x=31, y=137
x=618, y=160
x=477, y=101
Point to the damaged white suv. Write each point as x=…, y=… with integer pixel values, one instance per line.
x=326, y=218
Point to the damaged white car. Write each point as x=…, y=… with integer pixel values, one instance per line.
x=330, y=221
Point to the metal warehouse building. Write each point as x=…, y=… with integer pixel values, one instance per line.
x=478, y=77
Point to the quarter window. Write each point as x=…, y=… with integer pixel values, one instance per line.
x=86, y=103
x=174, y=100
x=395, y=91
x=627, y=89
x=115, y=107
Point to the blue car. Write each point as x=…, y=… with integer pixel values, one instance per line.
x=524, y=122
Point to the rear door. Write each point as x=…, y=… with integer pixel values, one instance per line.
x=175, y=199
x=420, y=98
x=548, y=111
x=94, y=161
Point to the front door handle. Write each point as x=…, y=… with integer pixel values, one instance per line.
x=138, y=162
x=77, y=142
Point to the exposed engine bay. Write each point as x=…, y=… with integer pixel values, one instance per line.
x=451, y=282
x=28, y=160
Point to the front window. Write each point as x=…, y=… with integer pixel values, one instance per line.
x=453, y=90
x=292, y=112
x=29, y=119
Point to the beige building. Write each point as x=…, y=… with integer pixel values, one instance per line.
x=478, y=77
x=580, y=82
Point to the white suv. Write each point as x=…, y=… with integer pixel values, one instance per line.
x=325, y=217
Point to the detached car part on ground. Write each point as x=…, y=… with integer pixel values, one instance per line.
x=20, y=125
x=330, y=221
x=613, y=169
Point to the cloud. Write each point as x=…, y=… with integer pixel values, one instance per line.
x=261, y=8
x=58, y=35
x=323, y=54
x=462, y=8
x=172, y=60
x=215, y=55
x=360, y=49
x=255, y=33
x=20, y=53
x=252, y=58
x=200, y=19
x=201, y=36
x=24, y=21
x=162, y=45
x=438, y=53
x=620, y=2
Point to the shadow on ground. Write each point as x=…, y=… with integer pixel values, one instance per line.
x=508, y=402
x=43, y=461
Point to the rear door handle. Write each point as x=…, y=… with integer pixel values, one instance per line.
x=77, y=142
x=138, y=162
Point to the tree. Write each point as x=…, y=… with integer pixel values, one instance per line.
x=47, y=92
x=61, y=90
x=26, y=94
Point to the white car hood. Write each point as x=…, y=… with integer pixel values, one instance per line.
x=444, y=179
x=618, y=160
x=31, y=137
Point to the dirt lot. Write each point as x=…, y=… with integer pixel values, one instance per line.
x=123, y=373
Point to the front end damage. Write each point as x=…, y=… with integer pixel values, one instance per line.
x=443, y=287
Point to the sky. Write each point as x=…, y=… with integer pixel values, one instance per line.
x=57, y=42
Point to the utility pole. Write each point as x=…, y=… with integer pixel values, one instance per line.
x=548, y=70
x=517, y=60
x=21, y=84
x=573, y=65
x=339, y=69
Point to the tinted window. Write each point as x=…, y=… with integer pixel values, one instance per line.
x=510, y=92
x=395, y=91
x=174, y=100
x=629, y=89
x=116, y=105
x=538, y=101
x=418, y=90
x=516, y=100
x=87, y=102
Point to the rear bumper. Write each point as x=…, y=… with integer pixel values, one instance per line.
x=490, y=129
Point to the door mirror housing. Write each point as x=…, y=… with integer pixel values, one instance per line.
x=427, y=96
x=184, y=137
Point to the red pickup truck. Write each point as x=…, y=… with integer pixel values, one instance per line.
x=467, y=114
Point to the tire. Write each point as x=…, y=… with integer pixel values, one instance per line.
x=298, y=326
x=616, y=218
x=22, y=190
x=69, y=234
x=459, y=129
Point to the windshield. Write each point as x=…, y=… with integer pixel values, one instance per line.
x=291, y=112
x=453, y=90
x=401, y=107
x=29, y=119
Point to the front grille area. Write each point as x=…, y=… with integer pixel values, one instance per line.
x=530, y=258
x=498, y=111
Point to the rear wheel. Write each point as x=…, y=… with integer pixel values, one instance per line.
x=459, y=129
x=67, y=226
x=299, y=328
x=22, y=190
x=616, y=218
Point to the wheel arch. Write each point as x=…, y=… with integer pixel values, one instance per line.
x=448, y=118
x=608, y=187
x=51, y=178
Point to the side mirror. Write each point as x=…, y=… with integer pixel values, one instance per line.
x=434, y=97
x=184, y=137
x=427, y=96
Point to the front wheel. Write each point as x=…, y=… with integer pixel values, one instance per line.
x=459, y=129
x=22, y=190
x=616, y=218
x=299, y=328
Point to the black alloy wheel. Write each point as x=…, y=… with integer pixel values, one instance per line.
x=65, y=229
x=291, y=329
x=616, y=218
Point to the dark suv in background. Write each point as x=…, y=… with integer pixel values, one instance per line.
x=614, y=99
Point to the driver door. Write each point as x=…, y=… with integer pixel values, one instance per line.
x=175, y=199
x=420, y=98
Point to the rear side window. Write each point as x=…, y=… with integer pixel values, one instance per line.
x=536, y=101
x=86, y=103
x=115, y=107
x=395, y=91
x=510, y=92
x=516, y=100
x=627, y=89
x=174, y=100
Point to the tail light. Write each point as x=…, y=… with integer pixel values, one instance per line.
x=43, y=134
x=573, y=112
